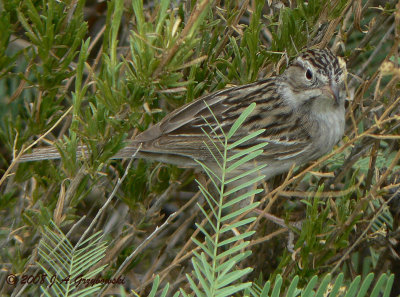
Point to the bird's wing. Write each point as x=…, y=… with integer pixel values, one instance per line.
x=181, y=131
x=191, y=117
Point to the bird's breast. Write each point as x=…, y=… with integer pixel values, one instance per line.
x=330, y=129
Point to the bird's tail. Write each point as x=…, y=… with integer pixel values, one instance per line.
x=51, y=153
x=42, y=153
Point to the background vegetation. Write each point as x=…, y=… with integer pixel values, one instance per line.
x=97, y=73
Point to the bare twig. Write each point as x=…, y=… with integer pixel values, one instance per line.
x=119, y=182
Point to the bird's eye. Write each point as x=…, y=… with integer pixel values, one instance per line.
x=309, y=74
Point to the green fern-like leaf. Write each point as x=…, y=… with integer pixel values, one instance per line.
x=155, y=288
x=215, y=267
x=70, y=264
x=338, y=289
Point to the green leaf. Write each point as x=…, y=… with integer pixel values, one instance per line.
x=229, y=291
x=236, y=238
x=239, y=212
x=352, y=290
x=194, y=287
x=265, y=290
x=203, y=247
x=241, y=198
x=365, y=285
x=233, y=250
x=245, y=159
x=218, y=271
x=245, y=139
x=379, y=285
x=233, y=260
x=207, y=217
x=277, y=287
x=293, y=287
x=240, y=120
x=246, y=173
x=56, y=257
x=245, y=185
x=238, y=224
x=310, y=286
x=337, y=285
x=323, y=286
x=231, y=277
x=202, y=281
x=247, y=151
x=389, y=285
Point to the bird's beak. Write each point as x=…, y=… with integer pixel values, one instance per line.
x=332, y=90
x=335, y=91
